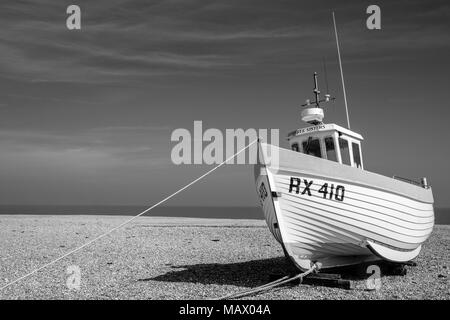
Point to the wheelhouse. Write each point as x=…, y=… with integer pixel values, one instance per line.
x=329, y=141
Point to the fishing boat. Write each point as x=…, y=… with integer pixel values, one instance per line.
x=325, y=209
x=322, y=206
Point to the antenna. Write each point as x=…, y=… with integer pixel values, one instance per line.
x=314, y=115
x=327, y=95
x=325, y=72
x=342, y=73
x=316, y=90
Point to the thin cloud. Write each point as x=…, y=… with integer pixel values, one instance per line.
x=121, y=145
x=122, y=40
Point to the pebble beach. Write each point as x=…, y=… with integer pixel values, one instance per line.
x=181, y=258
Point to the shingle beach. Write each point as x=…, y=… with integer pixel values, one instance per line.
x=181, y=258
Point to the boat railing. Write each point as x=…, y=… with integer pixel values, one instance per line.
x=422, y=183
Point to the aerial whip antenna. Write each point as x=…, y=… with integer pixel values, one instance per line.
x=325, y=72
x=342, y=73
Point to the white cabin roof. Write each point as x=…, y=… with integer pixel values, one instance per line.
x=324, y=128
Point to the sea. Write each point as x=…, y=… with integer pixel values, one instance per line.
x=163, y=211
x=442, y=215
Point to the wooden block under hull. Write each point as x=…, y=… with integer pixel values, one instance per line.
x=329, y=280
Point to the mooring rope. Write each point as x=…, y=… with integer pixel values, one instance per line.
x=127, y=221
x=270, y=285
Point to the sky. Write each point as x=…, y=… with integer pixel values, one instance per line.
x=86, y=116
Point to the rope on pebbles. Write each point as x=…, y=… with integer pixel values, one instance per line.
x=270, y=285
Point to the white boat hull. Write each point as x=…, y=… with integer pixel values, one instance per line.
x=322, y=211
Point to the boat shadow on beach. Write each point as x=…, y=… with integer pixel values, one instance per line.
x=255, y=272
x=245, y=274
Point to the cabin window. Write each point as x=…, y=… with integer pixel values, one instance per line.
x=329, y=147
x=345, y=151
x=295, y=147
x=356, y=155
x=312, y=147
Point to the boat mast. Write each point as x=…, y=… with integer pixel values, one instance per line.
x=314, y=115
x=342, y=73
x=316, y=90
